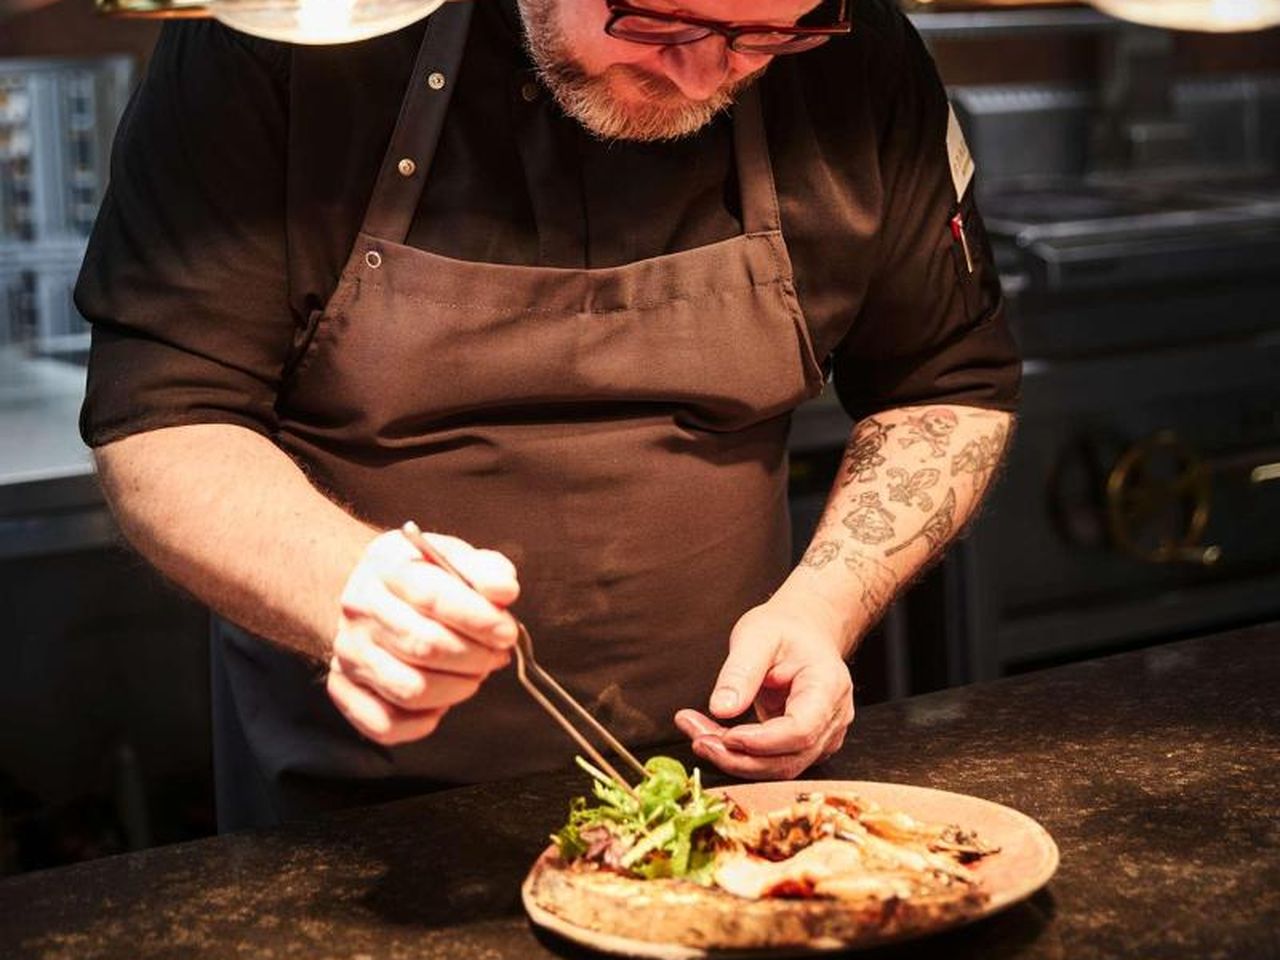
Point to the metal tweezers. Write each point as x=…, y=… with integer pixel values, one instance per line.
x=527, y=671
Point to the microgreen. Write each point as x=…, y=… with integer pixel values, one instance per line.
x=665, y=830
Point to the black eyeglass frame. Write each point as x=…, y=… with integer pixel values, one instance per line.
x=618, y=9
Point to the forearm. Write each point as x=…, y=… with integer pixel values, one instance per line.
x=910, y=480
x=228, y=516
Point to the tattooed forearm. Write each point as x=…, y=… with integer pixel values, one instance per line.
x=820, y=553
x=877, y=584
x=933, y=427
x=980, y=456
x=864, y=453
x=869, y=522
x=937, y=529
x=910, y=488
x=908, y=482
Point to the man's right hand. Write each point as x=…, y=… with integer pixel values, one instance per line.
x=413, y=640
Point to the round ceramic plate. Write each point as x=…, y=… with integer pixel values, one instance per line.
x=1027, y=859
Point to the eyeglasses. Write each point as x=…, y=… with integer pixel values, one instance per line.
x=642, y=25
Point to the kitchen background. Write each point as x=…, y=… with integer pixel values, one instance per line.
x=1130, y=183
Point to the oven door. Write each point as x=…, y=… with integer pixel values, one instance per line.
x=1141, y=500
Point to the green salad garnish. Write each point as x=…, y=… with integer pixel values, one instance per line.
x=666, y=830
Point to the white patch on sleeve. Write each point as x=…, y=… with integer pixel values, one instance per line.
x=959, y=156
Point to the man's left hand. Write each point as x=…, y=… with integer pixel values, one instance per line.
x=788, y=662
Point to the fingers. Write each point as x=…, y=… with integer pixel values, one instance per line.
x=811, y=727
x=414, y=640
x=436, y=647
x=835, y=745
x=747, y=767
x=375, y=718
x=392, y=560
x=493, y=575
x=361, y=660
x=440, y=596
x=392, y=700
x=401, y=629
x=741, y=676
x=811, y=708
x=694, y=725
x=785, y=766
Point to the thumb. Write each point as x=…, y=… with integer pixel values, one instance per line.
x=743, y=672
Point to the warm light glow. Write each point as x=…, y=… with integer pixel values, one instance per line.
x=1218, y=16
x=320, y=21
x=325, y=18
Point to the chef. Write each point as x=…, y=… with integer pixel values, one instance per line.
x=547, y=278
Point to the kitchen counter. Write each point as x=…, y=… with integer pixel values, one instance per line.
x=49, y=497
x=1157, y=772
x=39, y=409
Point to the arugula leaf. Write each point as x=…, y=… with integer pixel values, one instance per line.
x=666, y=830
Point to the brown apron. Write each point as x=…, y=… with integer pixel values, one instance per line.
x=620, y=433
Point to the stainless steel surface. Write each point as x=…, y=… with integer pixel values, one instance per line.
x=1087, y=213
x=530, y=674
x=1112, y=237
x=1024, y=133
x=39, y=408
x=49, y=499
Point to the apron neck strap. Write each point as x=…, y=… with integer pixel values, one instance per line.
x=760, y=213
x=407, y=163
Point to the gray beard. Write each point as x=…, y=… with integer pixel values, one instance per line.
x=664, y=114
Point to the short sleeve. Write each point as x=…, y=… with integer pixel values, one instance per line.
x=930, y=330
x=184, y=281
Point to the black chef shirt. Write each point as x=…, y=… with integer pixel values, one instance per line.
x=242, y=168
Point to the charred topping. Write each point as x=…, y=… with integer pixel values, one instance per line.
x=672, y=829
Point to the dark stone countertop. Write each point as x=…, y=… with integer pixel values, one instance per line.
x=1156, y=771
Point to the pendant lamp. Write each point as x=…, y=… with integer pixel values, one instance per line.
x=1216, y=16
x=320, y=21
x=290, y=21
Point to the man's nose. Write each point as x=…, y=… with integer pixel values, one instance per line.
x=699, y=69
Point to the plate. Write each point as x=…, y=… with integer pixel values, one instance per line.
x=1027, y=859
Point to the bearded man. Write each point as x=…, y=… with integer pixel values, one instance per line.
x=547, y=278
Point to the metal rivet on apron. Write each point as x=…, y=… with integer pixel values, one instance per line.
x=435, y=80
x=406, y=167
x=529, y=91
x=373, y=259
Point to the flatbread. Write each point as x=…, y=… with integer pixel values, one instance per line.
x=679, y=912
x=798, y=891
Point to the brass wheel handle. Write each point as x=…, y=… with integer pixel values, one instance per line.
x=1137, y=495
